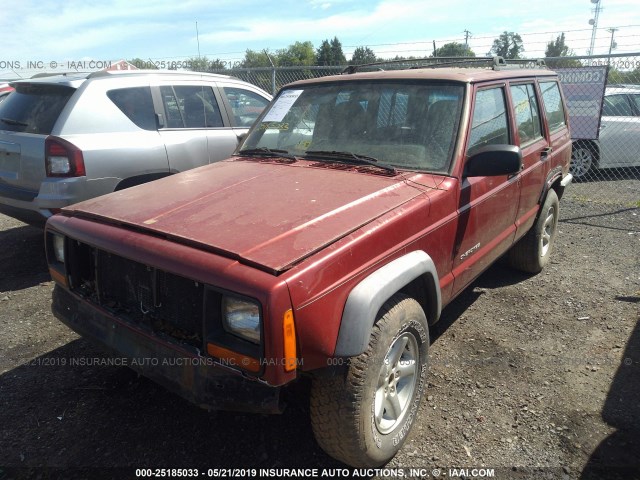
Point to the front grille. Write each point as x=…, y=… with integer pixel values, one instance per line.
x=138, y=293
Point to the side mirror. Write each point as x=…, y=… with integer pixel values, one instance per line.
x=493, y=161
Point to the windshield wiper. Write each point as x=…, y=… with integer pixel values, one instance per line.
x=10, y=121
x=266, y=152
x=349, y=157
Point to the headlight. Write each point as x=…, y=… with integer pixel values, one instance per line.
x=241, y=317
x=58, y=247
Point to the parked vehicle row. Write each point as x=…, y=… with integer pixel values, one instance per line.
x=67, y=138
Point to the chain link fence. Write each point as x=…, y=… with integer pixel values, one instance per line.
x=603, y=97
x=271, y=79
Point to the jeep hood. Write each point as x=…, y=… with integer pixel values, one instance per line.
x=267, y=215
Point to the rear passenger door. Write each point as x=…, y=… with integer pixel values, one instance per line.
x=194, y=129
x=536, y=153
x=487, y=205
x=557, y=125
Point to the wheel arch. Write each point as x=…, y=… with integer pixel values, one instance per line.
x=413, y=274
x=556, y=181
x=140, y=179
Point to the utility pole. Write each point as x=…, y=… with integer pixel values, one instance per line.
x=273, y=72
x=198, y=39
x=467, y=34
x=612, y=44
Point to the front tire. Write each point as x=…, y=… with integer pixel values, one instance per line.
x=532, y=252
x=361, y=413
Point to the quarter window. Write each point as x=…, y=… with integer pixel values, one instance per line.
x=489, y=125
x=136, y=103
x=190, y=107
x=527, y=113
x=553, y=106
x=393, y=108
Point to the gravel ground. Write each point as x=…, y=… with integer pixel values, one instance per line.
x=533, y=376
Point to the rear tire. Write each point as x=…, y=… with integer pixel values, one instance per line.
x=532, y=252
x=583, y=161
x=361, y=412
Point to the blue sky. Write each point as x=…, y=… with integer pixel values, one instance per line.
x=166, y=30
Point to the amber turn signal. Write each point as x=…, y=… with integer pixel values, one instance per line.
x=233, y=359
x=59, y=278
x=289, y=330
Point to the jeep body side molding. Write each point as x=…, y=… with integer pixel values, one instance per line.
x=366, y=299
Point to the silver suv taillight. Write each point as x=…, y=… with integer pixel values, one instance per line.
x=63, y=159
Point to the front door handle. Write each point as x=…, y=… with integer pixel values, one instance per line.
x=544, y=154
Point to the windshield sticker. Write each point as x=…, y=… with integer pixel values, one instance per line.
x=274, y=125
x=282, y=106
x=303, y=145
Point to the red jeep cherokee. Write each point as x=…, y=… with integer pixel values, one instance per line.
x=356, y=209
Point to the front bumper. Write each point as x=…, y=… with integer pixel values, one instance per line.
x=195, y=377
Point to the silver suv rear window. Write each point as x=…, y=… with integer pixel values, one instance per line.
x=34, y=108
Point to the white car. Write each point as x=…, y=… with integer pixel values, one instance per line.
x=619, y=141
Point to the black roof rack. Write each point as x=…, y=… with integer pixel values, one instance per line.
x=495, y=63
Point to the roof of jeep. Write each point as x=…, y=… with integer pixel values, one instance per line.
x=466, y=75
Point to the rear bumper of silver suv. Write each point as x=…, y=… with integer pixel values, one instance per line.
x=34, y=207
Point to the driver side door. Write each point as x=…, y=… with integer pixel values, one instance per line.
x=487, y=206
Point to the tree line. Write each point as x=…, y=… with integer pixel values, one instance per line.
x=330, y=53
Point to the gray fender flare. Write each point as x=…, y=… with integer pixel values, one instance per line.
x=366, y=299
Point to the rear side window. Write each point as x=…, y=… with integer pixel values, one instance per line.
x=34, y=108
x=190, y=107
x=553, y=106
x=246, y=105
x=136, y=103
x=489, y=125
x=616, y=106
x=527, y=113
x=393, y=108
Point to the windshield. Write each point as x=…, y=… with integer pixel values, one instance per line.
x=400, y=124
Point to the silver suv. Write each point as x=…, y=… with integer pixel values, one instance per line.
x=67, y=138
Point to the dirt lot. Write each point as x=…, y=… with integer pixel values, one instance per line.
x=533, y=376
